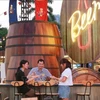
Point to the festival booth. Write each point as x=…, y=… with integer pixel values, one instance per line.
x=34, y=39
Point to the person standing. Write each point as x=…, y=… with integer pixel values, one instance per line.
x=41, y=71
x=20, y=76
x=65, y=80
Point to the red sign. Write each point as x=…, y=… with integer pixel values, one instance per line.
x=41, y=10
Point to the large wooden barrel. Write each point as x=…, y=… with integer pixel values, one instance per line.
x=85, y=74
x=32, y=41
x=86, y=45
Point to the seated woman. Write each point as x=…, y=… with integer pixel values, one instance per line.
x=20, y=76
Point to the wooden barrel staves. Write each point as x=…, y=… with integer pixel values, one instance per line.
x=32, y=41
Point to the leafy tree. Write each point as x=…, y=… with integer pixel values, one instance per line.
x=3, y=33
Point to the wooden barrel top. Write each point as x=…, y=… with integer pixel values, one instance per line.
x=85, y=74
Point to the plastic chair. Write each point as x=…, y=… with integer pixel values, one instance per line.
x=49, y=92
x=87, y=91
x=17, y=84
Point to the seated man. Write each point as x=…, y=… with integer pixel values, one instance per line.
x=43, y=73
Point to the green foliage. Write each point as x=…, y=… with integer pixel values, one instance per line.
x=3, y=33
x=50, y=1
x=31, y=10
x=51, y=17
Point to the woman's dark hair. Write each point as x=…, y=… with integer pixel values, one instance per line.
x=41, y=60
x=22, y=62
x=65, y=61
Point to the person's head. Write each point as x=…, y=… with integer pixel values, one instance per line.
x=64, y=63
x=24, y=64
x=40, y=63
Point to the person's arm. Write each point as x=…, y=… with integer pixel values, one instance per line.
x=31, y=73
x=66, y=73
x=31, y=79
x=63, y=79
x=55, y=78
x=48, y=75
